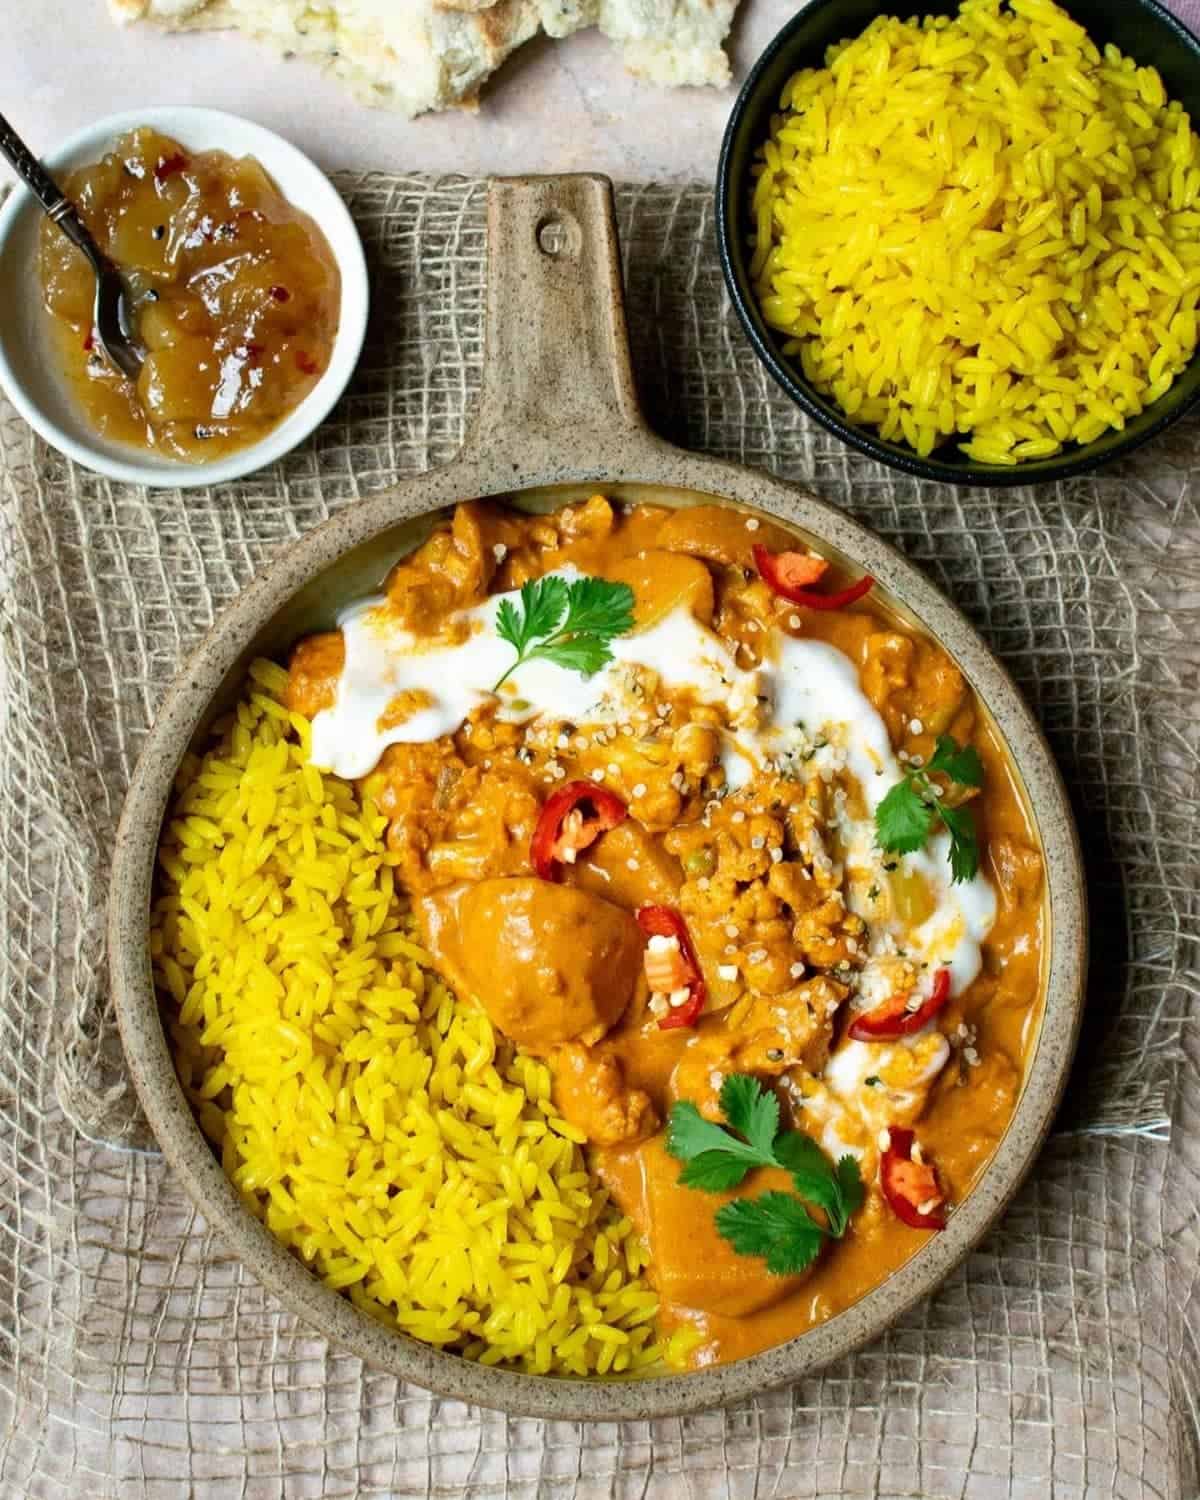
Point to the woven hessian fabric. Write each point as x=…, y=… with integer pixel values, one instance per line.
x=136, y=1357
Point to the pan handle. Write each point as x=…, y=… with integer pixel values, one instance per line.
x=557, y=382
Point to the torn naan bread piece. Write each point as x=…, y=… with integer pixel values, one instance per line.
x=407, y=55
x=674, y=42
x=418, y=55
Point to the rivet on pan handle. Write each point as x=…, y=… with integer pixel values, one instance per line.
x=557, y=382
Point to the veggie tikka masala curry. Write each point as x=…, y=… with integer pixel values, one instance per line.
x=735, y=850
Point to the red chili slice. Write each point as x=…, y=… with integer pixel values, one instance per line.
x=572, y=819
x=305, y=363
x=665, y=921
x=891, y=1018
x=910, y=1185
x=169, y=165
x=783, y=573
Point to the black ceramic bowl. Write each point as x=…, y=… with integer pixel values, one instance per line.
x=1142, y=29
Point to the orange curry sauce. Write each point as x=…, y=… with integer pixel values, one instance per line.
x=558, y=966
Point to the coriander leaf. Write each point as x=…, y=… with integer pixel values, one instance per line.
x=964, y=843
x=714, y=1171
x=823, y=1191
x=596, y=611
x=689, y=1135
x=509, y=624
x=850, y=1181
x=568, y=623
x=718, y=1160
x=906, y=816
x=752, y=1110
x=960, y=763
x=845, y=1194
x=544, y=600
x=813, y=1178
x=597, y=607
x=797, y=1152
x=838, y=1191
x=584, y=654
x=543, y=604
x=903, y=819
x=775, y=1226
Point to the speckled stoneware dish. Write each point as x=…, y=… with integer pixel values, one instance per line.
x=558, y=416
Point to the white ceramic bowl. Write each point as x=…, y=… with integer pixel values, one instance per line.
x=28, y=369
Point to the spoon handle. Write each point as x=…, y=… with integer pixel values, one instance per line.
x=44, y=188
x=28, y=168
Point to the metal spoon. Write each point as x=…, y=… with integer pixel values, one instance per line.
x=114, y=325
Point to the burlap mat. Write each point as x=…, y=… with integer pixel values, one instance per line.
x=136, y=1358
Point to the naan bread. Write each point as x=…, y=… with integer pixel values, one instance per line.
x=417, y=55
x=674, y=42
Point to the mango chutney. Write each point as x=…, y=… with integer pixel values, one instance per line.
x=236, y=297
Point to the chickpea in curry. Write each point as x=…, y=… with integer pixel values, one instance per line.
x=667, y=873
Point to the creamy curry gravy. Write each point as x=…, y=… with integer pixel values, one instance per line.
x=236, y=297
x=751, y=741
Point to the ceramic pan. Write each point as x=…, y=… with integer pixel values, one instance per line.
x=558, y=416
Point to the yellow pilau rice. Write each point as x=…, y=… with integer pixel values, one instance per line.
x=381, y=1130
x=982, y=225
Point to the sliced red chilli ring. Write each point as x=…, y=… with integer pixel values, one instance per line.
x=685, y=973
x=897, y=1016
x=784, y=573
x=910, y=1183
x=571, y=821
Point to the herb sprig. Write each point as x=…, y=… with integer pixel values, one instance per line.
x=570, y=623
x=776, y=1226
x=907, y=815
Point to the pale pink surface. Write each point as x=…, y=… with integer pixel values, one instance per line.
x=569, y=106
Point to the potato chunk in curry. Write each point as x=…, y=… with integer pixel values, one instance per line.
x=693, y=1266
x=549, y=964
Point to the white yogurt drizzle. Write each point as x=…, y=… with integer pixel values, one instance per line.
x=802, y=683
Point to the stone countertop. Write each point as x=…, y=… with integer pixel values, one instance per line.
x=555, y=106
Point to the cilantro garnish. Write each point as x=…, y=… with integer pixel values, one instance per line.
x=907, y=815
x=776, y=1226
x=960, y=763
x=568, y=623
